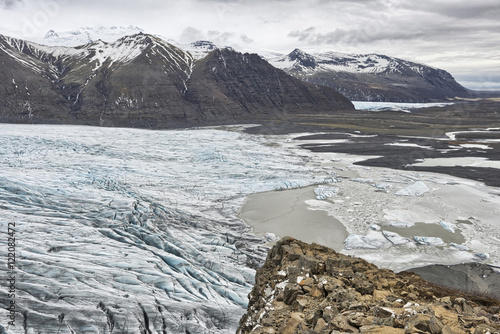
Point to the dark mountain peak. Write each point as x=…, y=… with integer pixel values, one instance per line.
x=227, y=50
x=139, y=38
x=205, y=45
x=13, y=42
x=298, y=53
x=93, y=45
x=51, y=34
x=302, y=58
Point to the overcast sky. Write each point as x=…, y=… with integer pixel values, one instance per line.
x=460, y=36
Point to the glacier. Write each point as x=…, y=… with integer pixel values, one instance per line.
x=133, y=231
x=396, y=106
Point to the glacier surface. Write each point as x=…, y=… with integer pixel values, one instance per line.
x=133, y=231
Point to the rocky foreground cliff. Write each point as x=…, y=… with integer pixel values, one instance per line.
x=306, y=288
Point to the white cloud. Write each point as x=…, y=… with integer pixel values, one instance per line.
x=191, y=34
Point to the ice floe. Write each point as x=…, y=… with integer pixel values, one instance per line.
x=459, y=247
x=372, y=240
x=324, y=192
x=429, y=241
x=361, y=180
x=424, y=199
x=395, y=238
x=400, y=224
x=417, y=189
x=448, y=226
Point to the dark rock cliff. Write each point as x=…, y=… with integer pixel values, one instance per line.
x=306, y=288
x=227, y=83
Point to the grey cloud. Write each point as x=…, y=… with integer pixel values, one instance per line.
x=220, y=37
x=461, y=9
x=245, y=39
x=8, y=4
x=421, y=22
x=351, y=37
x=191, y=34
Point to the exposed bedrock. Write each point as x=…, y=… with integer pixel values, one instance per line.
x=308, y=288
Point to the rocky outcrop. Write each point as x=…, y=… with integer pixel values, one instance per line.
x=143, y=81
x=308, y=288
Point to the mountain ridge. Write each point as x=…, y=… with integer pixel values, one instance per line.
x=371, y=77
x=360, y=77
x=143, y=81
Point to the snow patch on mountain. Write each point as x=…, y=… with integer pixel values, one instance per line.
x=110, y=35
x=17, y=49
x=86, y=35
x=98, y=52
x=199, y=49
x=299, y=60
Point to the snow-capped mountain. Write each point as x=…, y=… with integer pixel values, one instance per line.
x=299, y=61
x=199, y=49
x=85, y=35
x=371, y=77
x=362, y=77
x=144, y=81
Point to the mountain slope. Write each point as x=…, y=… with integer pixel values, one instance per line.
x=371, y=77
x=245, y=84
x=26, y=79
x=143, y=81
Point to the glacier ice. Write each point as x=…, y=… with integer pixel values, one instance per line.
x=324, y=192
x=372, y=240
x=123, y=229
x=416, y=189
x=448, y=226
x=429, y=241
x=395, y=238
x=394, y=106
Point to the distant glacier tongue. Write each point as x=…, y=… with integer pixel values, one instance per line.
x=132, y=231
